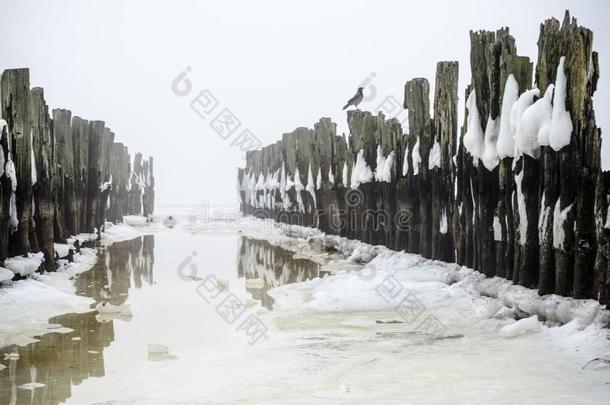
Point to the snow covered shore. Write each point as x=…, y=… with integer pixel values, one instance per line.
x=28, y=304
x=459, y=297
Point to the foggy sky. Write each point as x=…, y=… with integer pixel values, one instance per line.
x=275, y=65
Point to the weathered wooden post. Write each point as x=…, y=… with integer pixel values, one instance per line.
x=515, y=77
x=119, y=172
x=481, y=141
x=417, y=102
x=441, y=160
x=148, y=196
x=602, y=237
x=362, y=195
x=6, y=190
x=308, y=164
x=566, y=58
x=389, y=139
x=96, y=142
x=325, y=132
x=44, y=160
x=15, y=102
x=462, y=193
x=64, y=152
x=80, y=146
x=105, y=177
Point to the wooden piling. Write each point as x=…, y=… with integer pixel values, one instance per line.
x=532, y=213
x=44, y=159
x=15, y=103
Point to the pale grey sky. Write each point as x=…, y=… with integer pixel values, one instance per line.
x=276, y=65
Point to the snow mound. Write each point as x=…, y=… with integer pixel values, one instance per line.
x=24, y=266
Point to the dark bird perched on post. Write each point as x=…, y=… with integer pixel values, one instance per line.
x=357, y=99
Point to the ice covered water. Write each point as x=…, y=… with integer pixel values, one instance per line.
x=175, y=333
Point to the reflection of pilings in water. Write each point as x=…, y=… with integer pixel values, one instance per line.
x=275, y=266
x=121, y=261
x=61, y=360
x=58, y=361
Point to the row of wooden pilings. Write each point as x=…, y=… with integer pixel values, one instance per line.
x=60, y=175
x=518, y=192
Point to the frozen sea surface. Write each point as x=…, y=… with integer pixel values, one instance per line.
x=342, y=324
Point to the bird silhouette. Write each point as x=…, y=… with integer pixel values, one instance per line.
x=357, y=99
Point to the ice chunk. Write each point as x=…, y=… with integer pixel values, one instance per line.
x=108, y=308
x=521, y=327
x=506, y=142
x=158, y=352
x=561, y=123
